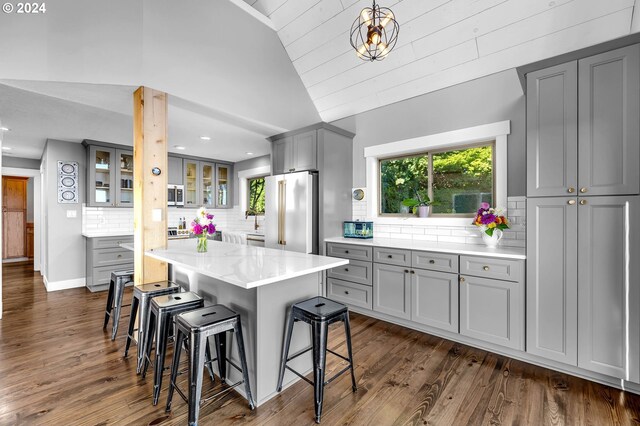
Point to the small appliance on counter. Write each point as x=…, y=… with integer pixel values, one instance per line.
x=357, y=229
x=177, y=233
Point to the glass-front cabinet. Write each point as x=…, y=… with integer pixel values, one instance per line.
x=223, y=178
x=101, y=176
x=124, y=181
x=206, y=190
x=191, y=183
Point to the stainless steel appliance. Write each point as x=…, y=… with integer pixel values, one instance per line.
x=175, y=195
x=291, y=212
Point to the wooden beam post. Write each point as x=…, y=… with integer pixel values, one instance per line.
x=149, y=190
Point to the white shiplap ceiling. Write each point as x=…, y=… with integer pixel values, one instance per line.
x=441, y=43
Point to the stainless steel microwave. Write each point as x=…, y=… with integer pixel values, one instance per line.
x=175, y=196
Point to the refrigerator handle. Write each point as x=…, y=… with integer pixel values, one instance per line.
x=282, y=209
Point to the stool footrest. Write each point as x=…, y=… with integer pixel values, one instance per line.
x=298, y=374
x=338, y=355
x=302, y=352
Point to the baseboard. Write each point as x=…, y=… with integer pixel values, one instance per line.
x=63, y=285
x=16, y=259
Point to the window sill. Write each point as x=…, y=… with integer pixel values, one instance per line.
x=424, y=221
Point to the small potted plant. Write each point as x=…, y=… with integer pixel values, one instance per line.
x=202, y=226
x=491, y=222
x=419, y=204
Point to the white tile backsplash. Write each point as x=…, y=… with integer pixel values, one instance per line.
x=513, y=237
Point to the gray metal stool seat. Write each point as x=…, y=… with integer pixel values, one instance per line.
x=141, y=302
x=196, y=327
x=162, y=314
x=319, y=312
x=119, y=280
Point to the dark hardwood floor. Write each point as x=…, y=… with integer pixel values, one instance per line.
x=57, y=367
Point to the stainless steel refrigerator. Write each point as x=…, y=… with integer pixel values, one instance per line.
x=291, y=212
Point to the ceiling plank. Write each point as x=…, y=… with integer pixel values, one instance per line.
x=312, y=18
x=290, y=11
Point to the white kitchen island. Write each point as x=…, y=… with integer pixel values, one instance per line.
x=260, y=284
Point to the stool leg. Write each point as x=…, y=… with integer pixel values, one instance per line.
x=118, y=294
x=196, y=359
x=207, y=357
x=285, y=349
x=175, y=365
x=161, y=350
x=319, y=332
x=237, y=329
x=148, y=342
x=221, y=350
x=347, y=331
x=142, y=331
x=132, y=322
x=109, y=308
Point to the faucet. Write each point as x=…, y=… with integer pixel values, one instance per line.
x=255, y=218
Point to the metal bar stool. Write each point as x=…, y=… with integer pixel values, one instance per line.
x=197, y=326
x=162, y=314
x=114, y=307
x=141, y=301
x=319, y=312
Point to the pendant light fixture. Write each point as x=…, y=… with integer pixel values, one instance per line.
x=374, y=33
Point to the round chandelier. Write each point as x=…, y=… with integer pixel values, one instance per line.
x=374, y=33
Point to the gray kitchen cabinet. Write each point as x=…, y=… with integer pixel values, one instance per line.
x=356, y=271
x=392, y=256
x=206, y=182
x=552, y=278
x=101, y=167
x=552, y=134
x=350, y=293
x=104, y=255
x=223, y=186
x=609, y=129
x=176, y=176
x=434, y=297
x=191, y=169
x=295, y=153
x=349, y=251
x=124, y=178
x=492, y=310
x=608, y=243
x=392, y=290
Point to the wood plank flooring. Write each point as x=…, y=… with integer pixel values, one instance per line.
x=57, y=367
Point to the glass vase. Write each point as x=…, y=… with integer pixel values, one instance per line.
x=202, y=244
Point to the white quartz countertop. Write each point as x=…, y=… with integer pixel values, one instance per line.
x=100, y=234
x=242, y=265
x=454, y=248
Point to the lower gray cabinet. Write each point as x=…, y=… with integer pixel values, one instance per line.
x=104, y=255
x=392, y=290
x=350, y=293
x=434, y=297
x=492, y=311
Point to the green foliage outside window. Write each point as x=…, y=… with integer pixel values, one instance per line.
x=256, y=196
x=461, y=180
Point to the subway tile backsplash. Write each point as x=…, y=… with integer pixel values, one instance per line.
x=469, y=234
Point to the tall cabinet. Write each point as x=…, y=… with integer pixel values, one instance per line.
x=583, y=185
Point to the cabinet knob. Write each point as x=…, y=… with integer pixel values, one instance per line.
x=413, y=272
x=346, y=269
x=346, y=292
x=119, y=256
x=390, y=257
x=292, y=170
x=486, y=268
x=571, y=202
x=346, y=252
x=583, y=202
x=583, y=190
x=431, y=261
x=571, y=190
x=406, y=271
x=461, y=279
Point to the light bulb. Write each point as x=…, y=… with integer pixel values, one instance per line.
x=361, y=50
x=384, y=49
x=386, y=19
x=375, y=38
x=366, y=16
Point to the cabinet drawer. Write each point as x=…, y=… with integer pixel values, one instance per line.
x=102, y=275
x=356, y=271
x=433, y=261
x=392, y=256
x=111, y=242
x=349, y=293
x=487, y=267
x=111, y=257
x=349, y=251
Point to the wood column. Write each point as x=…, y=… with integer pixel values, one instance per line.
x=149, y=190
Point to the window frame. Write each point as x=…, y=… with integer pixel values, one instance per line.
x=429, y=154
x=248, y=195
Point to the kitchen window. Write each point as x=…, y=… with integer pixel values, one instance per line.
x=455, y=180
x=255, y=191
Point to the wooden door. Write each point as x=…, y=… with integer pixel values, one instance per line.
x=14, y=217
x=552, y=131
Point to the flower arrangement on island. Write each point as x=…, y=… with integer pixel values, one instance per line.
x=202, y=226
x=490, y=219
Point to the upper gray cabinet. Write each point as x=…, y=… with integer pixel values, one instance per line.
x=223, y=187
x=552, y=139
x=609, y=135
x=583, y=132
x=295, y=153
x=191, y=169
x=110, y=177
x=176, y=176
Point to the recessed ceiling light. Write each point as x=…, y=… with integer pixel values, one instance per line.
x=6, y=148
x=180, y=147
x=249, y=153
x=4, y=129
x=205, y=138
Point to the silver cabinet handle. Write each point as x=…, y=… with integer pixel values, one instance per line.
x=583, y=202
x=486, y=268
x=571, y=202
x=583, y=190
x=571, y=190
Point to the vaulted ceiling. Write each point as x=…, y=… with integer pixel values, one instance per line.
x=441, y=43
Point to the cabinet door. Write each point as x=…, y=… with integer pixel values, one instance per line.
x=102, y=176
x=552, y=127
x=207, y=181
x=609, y=134
x=223, y=186
x=281, y=156
x=304, y=150
x=434, y=296
x=492, y=310
x=124, y=178
x=191, y=183
x=392, y=290
x=607, y=277
x=552, y=281
x=175, y=171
